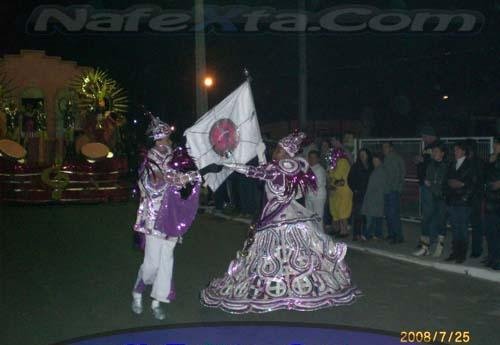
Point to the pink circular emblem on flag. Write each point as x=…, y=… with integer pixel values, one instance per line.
x=224, y=137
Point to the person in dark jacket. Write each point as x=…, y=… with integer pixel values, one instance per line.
x=358, y=181
x=492, y=210
x=433, y=204
x=479, y=167
x=430, y=140
x=395, y=171
x=373, y=203
x=459, y=189
x=325, y=148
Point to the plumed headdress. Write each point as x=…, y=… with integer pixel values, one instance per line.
x=158, y=129
x=291, y=143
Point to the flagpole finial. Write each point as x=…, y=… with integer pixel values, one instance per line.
x=247, y=74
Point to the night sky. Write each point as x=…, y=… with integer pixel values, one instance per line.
x=399, y=78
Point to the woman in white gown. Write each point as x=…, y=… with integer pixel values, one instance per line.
x=287, y=262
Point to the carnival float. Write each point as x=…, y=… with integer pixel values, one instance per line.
x=61, y=132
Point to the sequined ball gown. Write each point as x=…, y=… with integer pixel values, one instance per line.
x=289, y=263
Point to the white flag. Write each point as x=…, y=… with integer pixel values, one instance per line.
x=229, y=132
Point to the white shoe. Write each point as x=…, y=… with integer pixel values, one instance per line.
x=137, y=304
x=423, y=251
x=158, y=311
x=439, y=247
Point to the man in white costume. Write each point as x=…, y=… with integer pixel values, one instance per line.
x=157, y=178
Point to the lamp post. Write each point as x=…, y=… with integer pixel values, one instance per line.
x=208, y=83
x=200, y=58
x=302, y=51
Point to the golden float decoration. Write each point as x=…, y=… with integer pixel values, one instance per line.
x=55, y=179
x=8, y=108
x=94, y=152
x=101, y=95
x=11, y=149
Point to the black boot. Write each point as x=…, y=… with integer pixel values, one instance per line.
x=486, y=260
x=454, y=251
x=462, y=252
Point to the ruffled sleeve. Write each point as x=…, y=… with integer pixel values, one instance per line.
x=266, y=172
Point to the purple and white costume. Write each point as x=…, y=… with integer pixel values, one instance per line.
x=290, y=263
x=163, y=216
x=158, y=181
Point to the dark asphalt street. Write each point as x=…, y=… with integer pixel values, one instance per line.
x=67, y=271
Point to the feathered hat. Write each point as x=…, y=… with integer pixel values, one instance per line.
x=158, y=129
x=334, y=155
x=291, y=143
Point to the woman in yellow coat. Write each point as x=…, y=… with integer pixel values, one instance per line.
x=340, y=194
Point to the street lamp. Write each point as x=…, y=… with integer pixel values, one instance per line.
x=208, y=82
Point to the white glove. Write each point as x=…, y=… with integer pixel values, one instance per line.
x=261, y=150
x=230, y=165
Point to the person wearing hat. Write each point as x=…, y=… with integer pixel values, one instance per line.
x=156, y=179
x=287, y=262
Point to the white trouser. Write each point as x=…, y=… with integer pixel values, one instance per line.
x=317, y=205
x=157, y=267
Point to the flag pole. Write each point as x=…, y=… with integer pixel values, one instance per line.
x=261, y=150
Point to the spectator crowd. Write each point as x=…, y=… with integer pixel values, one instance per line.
x=458, y=189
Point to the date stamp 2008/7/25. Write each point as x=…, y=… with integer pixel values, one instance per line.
x=449, y=337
